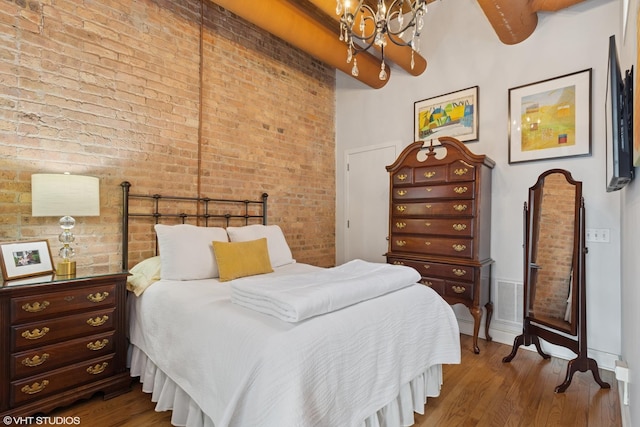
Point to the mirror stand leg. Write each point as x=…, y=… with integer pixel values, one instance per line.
x=535, y=340
x=516, y=345
x=581, y=364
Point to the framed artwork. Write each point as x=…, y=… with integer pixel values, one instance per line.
x=24, y=259
x=551, y=118
x=453, y=114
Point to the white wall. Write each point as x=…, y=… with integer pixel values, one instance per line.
x=463, y=50
x=630, y=214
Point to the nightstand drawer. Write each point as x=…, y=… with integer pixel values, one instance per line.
x=42, y=359
x=40, y=386
x=25, y=309
x=53, y=330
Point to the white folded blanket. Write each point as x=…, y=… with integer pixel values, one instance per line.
x=299, y=296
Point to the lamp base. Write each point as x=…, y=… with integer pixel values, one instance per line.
x=66, y=268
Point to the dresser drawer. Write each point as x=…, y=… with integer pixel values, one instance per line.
x=458, y=290
x=448, y=227
x=403, y=176
x=430, y=269
x=32, y=362
x=26, y=309
x=445, y=191
x=463, y=207
x=53, y=330
x=460, y=170
x=439, y=246
x=435, y=284
x=49, y=383
x=430, y=174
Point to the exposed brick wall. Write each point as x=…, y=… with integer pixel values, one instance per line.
x=113, y=89
x=555, y=243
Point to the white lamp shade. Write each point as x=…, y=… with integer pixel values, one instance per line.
x=64, y=194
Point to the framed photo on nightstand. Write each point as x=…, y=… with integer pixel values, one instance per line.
x=24, y=259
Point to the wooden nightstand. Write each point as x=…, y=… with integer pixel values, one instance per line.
x=61, y=340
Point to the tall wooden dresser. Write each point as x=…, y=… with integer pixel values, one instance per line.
x=440, y=223
x=61, y=340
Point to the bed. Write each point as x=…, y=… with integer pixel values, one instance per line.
x=216, y=357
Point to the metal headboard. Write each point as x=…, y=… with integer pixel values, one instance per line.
x=203, y=210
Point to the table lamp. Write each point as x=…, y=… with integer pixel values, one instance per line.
x=65, y=196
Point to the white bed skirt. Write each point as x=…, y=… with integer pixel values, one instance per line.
x=169, y=396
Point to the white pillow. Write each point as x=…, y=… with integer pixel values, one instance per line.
x=279, y=252
x=143, y=275
x=186, y=252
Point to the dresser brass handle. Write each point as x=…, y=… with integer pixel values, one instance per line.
x=99, y=297
x=69, y=298
x=98, y=345
x=427, y=282
x=35, y=387
x=97, y=369
x=429, y=174
x=401, y=192
x=35, y=334
x=459, y=272
x=460, y=172
x=35, y=360
x=426, y=267
x=459, y=227
x=460, y=208
x=402, y=176
x=427, y=224
x=427, y=243
x=98, y=321
x=428, y=189
x=401, y=242
x=35, y=307
x=398, y=263
x=460, y=190
x=401, y=208
x=458, y=247
x=458, y=289
x=427, y=206
x=401, y=225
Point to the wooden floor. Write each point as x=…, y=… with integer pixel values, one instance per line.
x=481, y=391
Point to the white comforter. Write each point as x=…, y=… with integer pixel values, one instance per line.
x=245, y=368
x=295, y=297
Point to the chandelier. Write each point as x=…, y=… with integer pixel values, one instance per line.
x=376, y=27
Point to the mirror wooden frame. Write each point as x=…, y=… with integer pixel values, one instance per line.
x=571, y=333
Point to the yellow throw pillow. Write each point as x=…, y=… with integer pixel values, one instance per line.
x=240, y=259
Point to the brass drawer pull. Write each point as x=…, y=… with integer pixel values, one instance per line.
x=427, y=243
x=460, y=208
x=427, y=282
x=459, y=247
x=35, y=307
x=98, y=345
x=401, y=208
x=429, y=174
x=35, y=388
x=99, y=297
x=427, y=224
x=427, y=206
x=459, y=227
x=98, y=321
x=459, y=272
x=429, y=189
x=398, y=263
x=402, y=176
x=35, y=334
x=97, y=369
x=401, y=225
x=426, y=267
x=460, y=172
x=69, y=298
x=35, y=360
x=401, y=242
x=458, y=289
x=460, y=190
x=401, y=192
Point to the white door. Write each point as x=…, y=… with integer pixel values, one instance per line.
x=367, y=202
